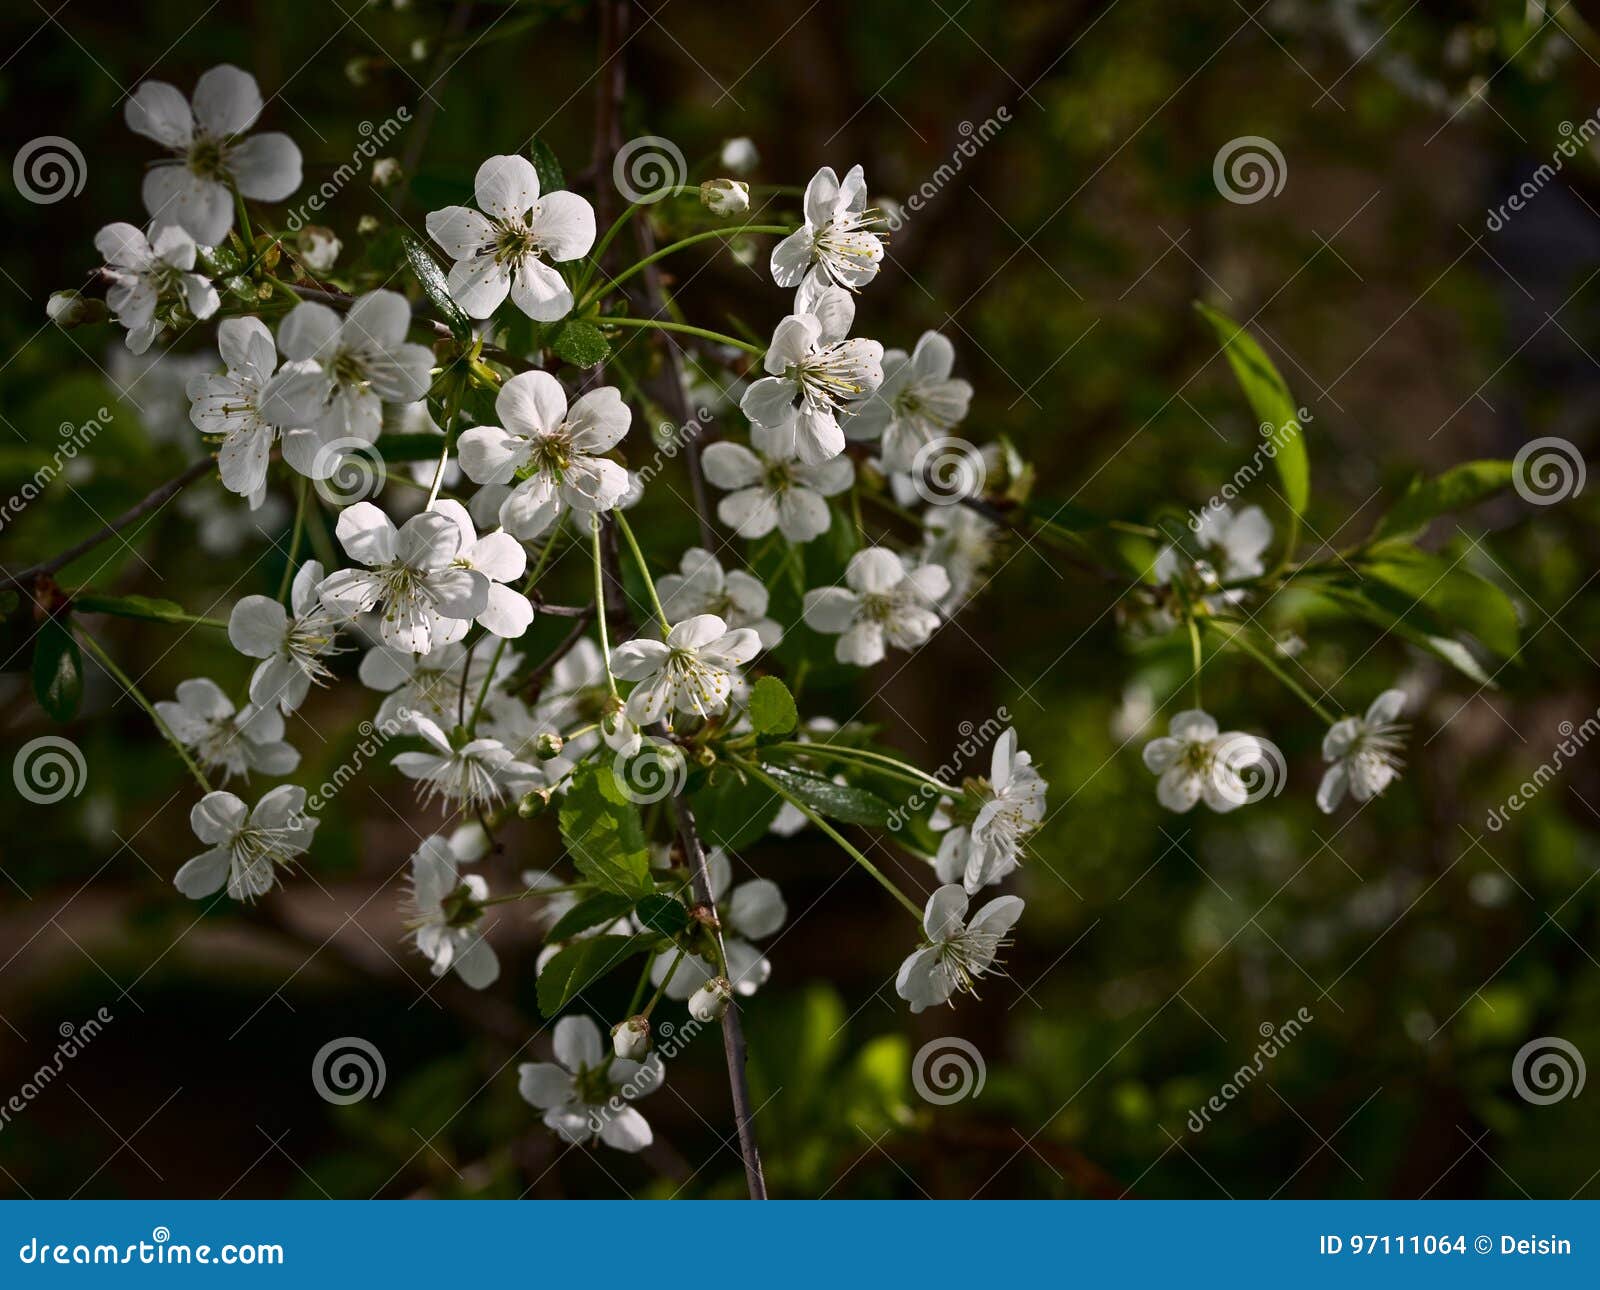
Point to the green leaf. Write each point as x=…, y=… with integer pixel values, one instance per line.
x=1272, y=403
x=57, y=671
x=546, y=166
x=436, y=288
x=151, y=610
x=592, y=911
x=580, y=343
x=578, y=966
x=1405, y=625
x=663, y=914
x=843, y=802
x=772, y=710
x=603, y=833
x=1426, y=499
x=1460, y=598
x=733, y=810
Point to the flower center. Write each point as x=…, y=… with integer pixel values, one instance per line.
x=208, y=157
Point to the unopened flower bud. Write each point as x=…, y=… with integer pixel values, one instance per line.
x=711, y=1000
x=725, y=196
x=69, y=309
x=386, y=172
x=739, y=156
x=549, y=744
x=367, y=225
x=318, y=247
x=534, y=804
x=630, y=1039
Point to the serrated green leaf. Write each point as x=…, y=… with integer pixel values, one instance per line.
x=1457, y=596
x=57, y=671
x=603, y=833
x=592, y=911
x=1426, y=499
x=1269, y=397
x=663, y=914
x=843, y=802
x=580, y=343
x=436, y=288
x=546, y=166
x=144, y=607
x=732, y=810
x=578, y=966
x=772, y=710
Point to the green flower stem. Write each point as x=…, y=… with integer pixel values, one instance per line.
x=592, y=264
x=500, y=649
x=105, y=660
x=535, y=891
x=300, y=489
x=869, y=759
x=661, y=989
x=707, y=236
x=600, y=605
x=1239, y=638
x=644, y=569
x=833, y=833
x=659, y=325
x=1194, y=644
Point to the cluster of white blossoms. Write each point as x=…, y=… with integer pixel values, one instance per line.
x=310, y=383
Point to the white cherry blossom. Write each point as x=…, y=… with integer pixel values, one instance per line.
x=474, y=776
x=1197, y=763
x=771, y=490
x=702, y=586
x=226, y=741
x=503, y=249
x=838, y=243
x=553, y=453
x=1364, y=752
x=692, y=671
x=577, y=1095
x=428, y=685
x=499, y=557
x=1236, y=542
x=882, y=603
x=195, y=190
x=957, y=952
x=428, y=598
x=963, y=544
x=445, y=914
x=291, y=643
x=1012, y=807
x=152, y=281
x=917, y=403
x=248, y=847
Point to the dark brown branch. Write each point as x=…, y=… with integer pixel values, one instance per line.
x=151, y=502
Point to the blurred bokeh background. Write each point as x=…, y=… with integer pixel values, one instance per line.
x=1061, y=257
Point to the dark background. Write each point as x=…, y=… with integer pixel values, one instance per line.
x=1061, y=260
